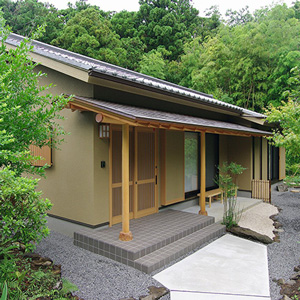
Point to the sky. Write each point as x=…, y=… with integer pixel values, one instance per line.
x=132, y=5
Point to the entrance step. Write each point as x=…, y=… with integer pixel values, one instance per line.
x=157, y=239
x=167, y=254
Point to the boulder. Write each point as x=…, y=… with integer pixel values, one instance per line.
x=250, y=234
x=282, y=188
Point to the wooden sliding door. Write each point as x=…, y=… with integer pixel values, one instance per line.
x=142, y=169
x=145, y=187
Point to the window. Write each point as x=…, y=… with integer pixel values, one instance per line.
x=191, y=161
x=45, y=152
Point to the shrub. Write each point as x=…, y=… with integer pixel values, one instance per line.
x=22, y=210
x=227, y=181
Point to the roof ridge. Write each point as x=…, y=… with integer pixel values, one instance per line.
x=93, y=65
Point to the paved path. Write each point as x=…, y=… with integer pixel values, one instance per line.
x=228, y=268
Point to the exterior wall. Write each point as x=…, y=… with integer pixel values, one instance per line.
x=223, y=149
x=281, y=163
x=240, y=151
x=101, y=178
x=172, y=167
x=264, y=159
x=75, y=184
x=257, y=157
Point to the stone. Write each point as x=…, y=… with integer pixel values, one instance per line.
x=282, y=188
x=295, y=191
x=295, y=276
x=274, y=217
x=56, y=270
x=281, y=281
x=290, y=282
x=297, y=269
x=47, y=263
x=158, y=292
x=33, y=256
x=285, y=297
x=277, y=225
x=276, y=239
x=149, y=297
x=155, y=293
x=250, y=234
x=58, y=286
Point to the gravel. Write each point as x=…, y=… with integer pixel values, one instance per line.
x=284, y=256
x=97, y=277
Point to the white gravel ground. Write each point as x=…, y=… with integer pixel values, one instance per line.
x=257, y=219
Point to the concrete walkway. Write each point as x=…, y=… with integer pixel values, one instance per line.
x=217, y=208
x=228, y=268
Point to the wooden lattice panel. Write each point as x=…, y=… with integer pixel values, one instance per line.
x=261, y=189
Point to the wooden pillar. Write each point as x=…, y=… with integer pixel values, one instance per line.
x=202, y=176
x=125, y=234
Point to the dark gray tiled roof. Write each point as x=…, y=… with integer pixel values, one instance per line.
x=144, y=114
x=90, y=64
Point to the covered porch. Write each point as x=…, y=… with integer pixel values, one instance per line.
x=138, y=144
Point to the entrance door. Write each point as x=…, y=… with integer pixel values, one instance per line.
x=145, y=177
x=142, y=173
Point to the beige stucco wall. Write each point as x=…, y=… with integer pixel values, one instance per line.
x=282, y=173
x=264, y=159
x=75, y=184
x=257, y=157
x=240, y=151
x=174, y=166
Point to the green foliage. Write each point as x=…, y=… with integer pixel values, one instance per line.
x=29, y=113
x=168, y=23
x=227, y=181
x=153, y=64
x=26, y=283
x=288, y=117
x=89, y=33
x=237, y=61
x=4, y=291
x=22, y=211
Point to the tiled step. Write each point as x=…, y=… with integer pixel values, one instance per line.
x=164, y=228
x=172, y=251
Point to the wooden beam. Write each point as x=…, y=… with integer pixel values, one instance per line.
x=202, y=176
x=125, y=234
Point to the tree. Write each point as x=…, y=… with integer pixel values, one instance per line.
x=89, y=33
x=287, y=115
x=168, y=23
x=227, y=181
x=28, y=115
x=153, y=64
x=31, y=112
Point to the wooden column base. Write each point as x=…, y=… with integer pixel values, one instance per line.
x=203, y=213
x=125, y=236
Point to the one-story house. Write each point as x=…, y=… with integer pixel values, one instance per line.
x=138, y=143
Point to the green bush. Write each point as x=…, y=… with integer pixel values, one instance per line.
x=22, y=210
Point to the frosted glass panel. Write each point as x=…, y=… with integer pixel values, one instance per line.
x=191, y=161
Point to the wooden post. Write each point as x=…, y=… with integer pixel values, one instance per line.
x=202, y=176
x=125, y=234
